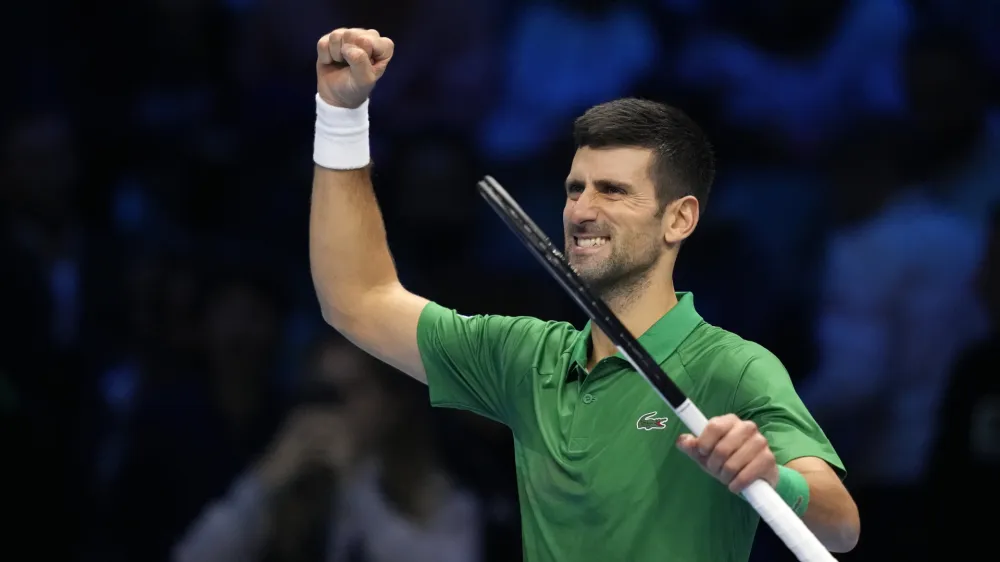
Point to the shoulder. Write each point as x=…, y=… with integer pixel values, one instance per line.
x=723, y=362
x=713, y=349
x=511, y=331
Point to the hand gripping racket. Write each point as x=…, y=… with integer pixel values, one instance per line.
x=772, y=509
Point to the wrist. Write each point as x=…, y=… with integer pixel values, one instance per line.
x=793, y=489
x=341, y=141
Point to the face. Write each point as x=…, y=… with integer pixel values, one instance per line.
x=612, y=221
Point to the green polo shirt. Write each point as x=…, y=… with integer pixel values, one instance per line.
x=599, y=477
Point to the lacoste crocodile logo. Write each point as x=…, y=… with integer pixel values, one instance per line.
x=649, y=422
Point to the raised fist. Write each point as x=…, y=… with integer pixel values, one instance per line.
x=348, y=63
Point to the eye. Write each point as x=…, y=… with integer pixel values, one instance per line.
x=574, y=188
x=616, y=190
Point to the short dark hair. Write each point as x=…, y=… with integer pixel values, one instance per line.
x=683, y=158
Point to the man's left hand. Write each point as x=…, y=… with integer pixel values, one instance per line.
x=733, y=451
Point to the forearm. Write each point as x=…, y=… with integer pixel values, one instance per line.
x=348, y=253
x=831, y=514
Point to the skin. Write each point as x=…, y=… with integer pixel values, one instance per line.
x=610, y=193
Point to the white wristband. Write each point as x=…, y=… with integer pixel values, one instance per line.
x=341, y=141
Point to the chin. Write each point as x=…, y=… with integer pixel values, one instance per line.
x=590, y=275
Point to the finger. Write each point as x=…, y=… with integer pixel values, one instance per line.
x=754, y=470
x=689, y=445
x=360, y=62
x=323, y=50
x=357, y=37
x=750, y=450
x=715, y=430
x=333, y=45
x=365, y=42
x=382, y=49
x=737, y=435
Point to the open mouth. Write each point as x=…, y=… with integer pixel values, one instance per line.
x=584, y=243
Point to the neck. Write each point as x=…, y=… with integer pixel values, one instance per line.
x=638, y=312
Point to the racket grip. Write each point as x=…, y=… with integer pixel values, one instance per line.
x=785, y=523
x=768, y=504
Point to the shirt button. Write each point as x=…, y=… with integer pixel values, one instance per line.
x=588, y=398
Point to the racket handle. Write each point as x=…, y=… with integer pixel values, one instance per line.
x=785, y=523
x=766, y=501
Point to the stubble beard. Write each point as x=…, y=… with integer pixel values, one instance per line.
x=620, y=278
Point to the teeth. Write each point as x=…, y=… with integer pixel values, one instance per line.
x=591, y=242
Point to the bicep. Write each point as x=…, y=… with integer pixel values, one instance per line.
x=472, y=363
x=387, y=328
x=766, y=396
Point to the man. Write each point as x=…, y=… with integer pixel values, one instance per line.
x=351, y=476
x=598, y=476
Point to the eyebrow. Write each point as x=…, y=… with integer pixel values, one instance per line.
x=602, y=184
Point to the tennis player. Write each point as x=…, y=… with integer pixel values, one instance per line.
x=604, y=470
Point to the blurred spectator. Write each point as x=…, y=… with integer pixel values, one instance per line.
x=976, y=20
x=968, y=444
x=53, y=294
x=447, y=78
x=806, y=94
x=403, y=503
x=897, y=306
x=159, y=344
x=552, y=67
x=46, y=248
x=353, y=477
x=280, y=508
x=954, y=137
x=190, y=437
x=436, y=226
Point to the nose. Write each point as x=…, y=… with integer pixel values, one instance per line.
x=583, y=208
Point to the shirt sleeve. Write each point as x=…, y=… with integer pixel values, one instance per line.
x=766, y=396
x=478, y=363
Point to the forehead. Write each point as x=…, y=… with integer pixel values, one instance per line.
x=620, y=164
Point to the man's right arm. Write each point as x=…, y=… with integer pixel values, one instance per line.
x=474, y=363
x=355, y=279
x=359, y=291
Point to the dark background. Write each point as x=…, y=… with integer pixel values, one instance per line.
x=154, y=185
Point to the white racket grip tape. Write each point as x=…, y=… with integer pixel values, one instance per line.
x=785, y=523
x=767, y=503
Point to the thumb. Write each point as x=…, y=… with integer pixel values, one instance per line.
x=361, y=65
x=687, y=443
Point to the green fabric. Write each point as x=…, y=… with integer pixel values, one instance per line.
x=599, y=476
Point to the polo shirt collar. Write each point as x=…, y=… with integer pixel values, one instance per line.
x=660, y=340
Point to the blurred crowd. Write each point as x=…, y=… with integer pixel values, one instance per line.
x=168, y=390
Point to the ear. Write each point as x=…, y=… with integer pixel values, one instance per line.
x=680, y=219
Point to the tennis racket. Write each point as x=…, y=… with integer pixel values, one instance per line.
x=772, y=509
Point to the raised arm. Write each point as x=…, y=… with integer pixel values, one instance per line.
x=359, y=291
